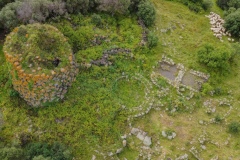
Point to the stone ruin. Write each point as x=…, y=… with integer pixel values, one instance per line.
x=177, y=75
x=33, y=79
x=104, y=60
x=217, y=26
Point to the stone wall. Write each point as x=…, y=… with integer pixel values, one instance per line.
x=35, y=81
x=38, y=89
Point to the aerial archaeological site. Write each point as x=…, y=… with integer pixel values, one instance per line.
x=119, y=80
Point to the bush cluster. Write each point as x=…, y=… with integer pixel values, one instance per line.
x=217, y=59
x=36, y=151
x=147, y=12
x=234, y=127
x=232, y=23
x=24, y=12
x=29, y=11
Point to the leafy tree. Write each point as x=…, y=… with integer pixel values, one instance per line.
x=226, y=4
x=8, y=15
x=56, y=151
x=147, y=13
x=11, y=153
x=28, y=11
x=234, y=4
x=4, y=2
x=214, y=58
x=232, y=23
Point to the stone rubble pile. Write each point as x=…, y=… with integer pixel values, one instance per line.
x=144, y=33
x=217, y=26
x=170, y=136
x=104, y=60
x=142, y=136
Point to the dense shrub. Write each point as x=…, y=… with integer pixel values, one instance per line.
x=194, y=7
x=39, y=150
x=4, y=2
x=26, y=11
x=222, y=3
x=96, y=19
x=207, y=4
x=232, y=23
x=147, y=13
x=8, y=16
x=76, y=6
x=152, y=39
x=226, y=4
x=234, y=127
x=134, y=5
x=218, y=119
x=213, y=58
x=11, y=153
x=234, y=4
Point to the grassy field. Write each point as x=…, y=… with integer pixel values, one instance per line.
x=94, y=114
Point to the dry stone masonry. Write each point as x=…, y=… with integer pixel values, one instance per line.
x=42, y=64
x=178, y=76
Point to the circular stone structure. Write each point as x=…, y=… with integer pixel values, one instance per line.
x=41, y=62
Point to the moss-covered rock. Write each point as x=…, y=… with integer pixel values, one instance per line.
x=42, y=63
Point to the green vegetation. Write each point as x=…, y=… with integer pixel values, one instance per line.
x=234, y=127
x=98, y=108
x=232, y=15
x=40, y=46
x=214, y=58
x=147, y=12
x=152, y=40
x=232, y=23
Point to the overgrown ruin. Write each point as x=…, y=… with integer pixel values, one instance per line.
x=42, y=64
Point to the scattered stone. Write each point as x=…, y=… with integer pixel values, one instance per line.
x=141, y=136
x=183, y=157
x=124, y=136
x=135, y=131
x=164, y=134
x=124, y=142
x=147, y=141
x=119, y=150
x=93, y=157
x=203, y=147
x=110, y=154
